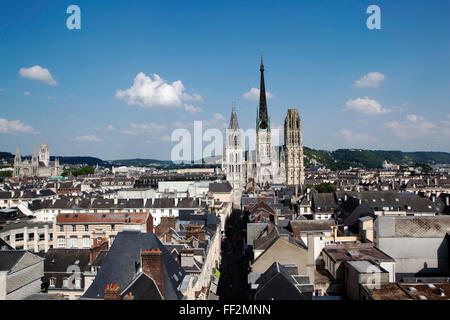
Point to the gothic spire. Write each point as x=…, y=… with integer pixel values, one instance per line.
x=17, y=156
x=263, y=118
x=233, y=121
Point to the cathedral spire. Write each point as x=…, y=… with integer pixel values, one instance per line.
x=233, y=121
x=17, y=156
x=263, y=118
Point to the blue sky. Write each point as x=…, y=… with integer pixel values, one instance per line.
x=354, y=87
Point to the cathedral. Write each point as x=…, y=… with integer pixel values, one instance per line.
x=38, y=166
x=267, y=164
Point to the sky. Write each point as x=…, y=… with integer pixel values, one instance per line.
x=137, y=70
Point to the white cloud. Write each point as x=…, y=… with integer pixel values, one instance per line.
x=355, y=138
x=366, y=106
x=143, y=128
x=192, y=109
x=370, y=80
x=253, y=95
x=110, y=127
x=14, y=127
x=38, y=73
x=27, y=93
x=412, y=127
x=218, y=116
x=194, y=97
x=90, y=138
x=157, y=92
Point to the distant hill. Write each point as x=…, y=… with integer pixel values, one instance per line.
x=142, y=163
x=342, y=159
x=91, y=161
x=7, y=156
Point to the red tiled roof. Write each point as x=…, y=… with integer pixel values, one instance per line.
x=116, y=217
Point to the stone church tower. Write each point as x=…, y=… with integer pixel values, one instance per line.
x=293, y=146
x=233, y=160
x=44, y=154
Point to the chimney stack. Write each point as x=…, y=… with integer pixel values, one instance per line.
x=152, y=265
x=112, y=292
x=96, y=249
x=187, y=258
x=129, y=296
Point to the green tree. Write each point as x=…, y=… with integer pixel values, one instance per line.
x=325, y=187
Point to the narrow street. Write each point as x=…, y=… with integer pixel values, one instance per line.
x=234, y=267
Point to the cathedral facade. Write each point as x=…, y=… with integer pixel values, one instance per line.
x=267, y=164
x=38, y=166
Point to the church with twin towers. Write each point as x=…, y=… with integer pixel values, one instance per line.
x=266, y=164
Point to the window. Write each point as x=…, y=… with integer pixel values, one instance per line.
x=50, y=235
x=112, y=227
x=19, y=236
x=52, y=282
x=61, y=242
x=86, y=242
x=73, y=242
x=31, y=236
x=74, y=228
x=61, y=228
x=86, y=228
x=42, y=236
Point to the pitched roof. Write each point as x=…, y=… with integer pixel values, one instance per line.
x=220, y=187
x=57, y=260
x=121, y=265
x=116, y=217
x=9, y=258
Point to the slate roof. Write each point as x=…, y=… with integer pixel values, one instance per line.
x=323, y=202
x=4, y=245
x=57, y=260
x=264, y=242
x=278, y=283
x=220, y=187
x=9, y=258
x=422, y=227
x=142, y=288
x=121, y=265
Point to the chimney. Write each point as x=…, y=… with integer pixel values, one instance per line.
x=275, y=216
x=116, y=201
x=195, y=231
x=447, y=200
x=96, y=249
x=335, y=230
x=176, y=201
x=112, y=292
x=152, y=265
x=311, y=259
x=129, y=296
x=187, y=258
x=167, y=222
